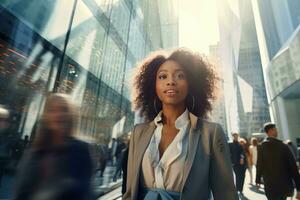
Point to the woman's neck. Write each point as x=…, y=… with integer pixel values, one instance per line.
x=171, y=113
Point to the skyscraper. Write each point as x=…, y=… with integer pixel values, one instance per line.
x=240, y=55
x=281, y=19
x=219, y=112
x=250, y=70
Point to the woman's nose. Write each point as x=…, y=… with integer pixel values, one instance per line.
x=171, y=81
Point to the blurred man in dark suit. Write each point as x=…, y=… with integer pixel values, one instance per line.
x=277, y=166
x=238, y=162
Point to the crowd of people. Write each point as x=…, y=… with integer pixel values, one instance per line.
x=275, y=162
x=175, y=154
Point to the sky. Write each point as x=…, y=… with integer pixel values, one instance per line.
x=198, y=26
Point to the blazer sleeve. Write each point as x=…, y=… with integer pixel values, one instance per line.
x=292, y=166
x=130, y=170
x=221, y=176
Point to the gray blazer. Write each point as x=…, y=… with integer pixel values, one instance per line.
x=207, y=169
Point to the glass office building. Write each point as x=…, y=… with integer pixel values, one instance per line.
x=279, y=19
x=245, y=98
x=250, y=70
x=85, y=48
x=218, y=113
x=278, y=24
x=284, y=80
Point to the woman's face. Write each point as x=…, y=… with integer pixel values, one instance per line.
x=55, y=115
x=171, y=84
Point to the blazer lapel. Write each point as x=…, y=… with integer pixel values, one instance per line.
x=194, y=136
x=145, y=137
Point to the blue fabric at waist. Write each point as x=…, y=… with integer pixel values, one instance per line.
x=154, y=194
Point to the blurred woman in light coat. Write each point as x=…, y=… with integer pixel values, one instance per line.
x=58, y=166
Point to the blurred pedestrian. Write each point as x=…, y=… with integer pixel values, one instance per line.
x=119, y=155
x=248, y=160
x=125, y=152
x=238, y=159
x=298, y=158
x=103, y=157
x=277, y=166
x=293, y=148
x=113, y=150
x=253, y=157
x=57, y=166
x=177, y=154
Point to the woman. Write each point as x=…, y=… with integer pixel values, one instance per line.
x=177, y=154
x=58, y=166
x=253, y=155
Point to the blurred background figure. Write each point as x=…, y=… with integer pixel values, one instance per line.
x=125, y=152
x=4, y=123
x=103, y=157
x=253, y=157
x=238, y=162
x=277, y=166
x=57, y=166
x=293, y=148
x=244, y=143
x=119, y=155
x=113, y=150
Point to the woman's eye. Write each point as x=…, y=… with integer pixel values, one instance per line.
x=162, y=76
x=181, y=76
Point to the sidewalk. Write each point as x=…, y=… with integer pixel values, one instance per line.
x=103, y=185
x=251, y=192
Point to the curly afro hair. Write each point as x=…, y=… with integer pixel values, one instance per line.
x=201, y=79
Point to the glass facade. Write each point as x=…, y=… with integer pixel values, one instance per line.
x=279, y=40
x=218, y=113
x=246, y=111
x=279, y=19
x=85, y=48
x=284, y=80
x=250, y=70
x=230, y=33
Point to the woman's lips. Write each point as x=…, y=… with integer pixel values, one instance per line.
x=171, y=92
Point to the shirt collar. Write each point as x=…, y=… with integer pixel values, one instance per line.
x=180, y=121
x=158, y=119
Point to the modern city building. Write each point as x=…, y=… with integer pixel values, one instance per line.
x=85, y=48
x=278, y=19
x=229, y=27
x=247, y=107
x=284, y=79
x=277, y=23
x=250, y=70
x=219, y=112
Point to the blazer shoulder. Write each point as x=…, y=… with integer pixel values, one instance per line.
x=213, y=127
x=139, y=127
x=212, y=130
